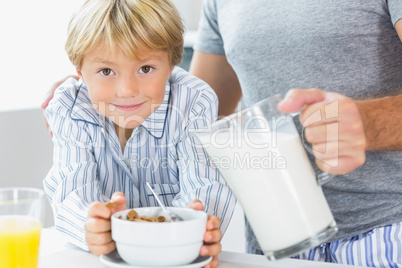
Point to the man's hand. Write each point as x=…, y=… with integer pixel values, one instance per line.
x=49, y=97
x=98, y=226
x=212, y=236
x=333, y=126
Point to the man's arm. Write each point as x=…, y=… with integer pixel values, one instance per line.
x=398, y=28
x=382, y=120
x=216, y=71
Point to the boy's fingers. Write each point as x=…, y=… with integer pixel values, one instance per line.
x=213, y=223
x=99, y=210
x=196, y=205
x=212, y=236
x=211, y=249
x=98, y=238
x=119, y=200
x=118, y=197
x=97, y=225
x=214, y=263
x=102, y=249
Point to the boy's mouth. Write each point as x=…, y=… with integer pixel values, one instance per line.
x=128, y=108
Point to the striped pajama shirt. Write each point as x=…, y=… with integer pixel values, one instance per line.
x=89, y=165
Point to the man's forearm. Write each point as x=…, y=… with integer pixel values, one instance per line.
x=382, y=119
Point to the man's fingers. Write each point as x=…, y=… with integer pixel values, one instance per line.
x=332, y=150
x=335, y=107
x=342, y=165
x=322, y=133
x=295, y=99
x=47, y=99
x=338, y=131
x=47, y=126
x=50, y=92
x=49, y=96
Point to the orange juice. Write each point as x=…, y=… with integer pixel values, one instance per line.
x=19, y=242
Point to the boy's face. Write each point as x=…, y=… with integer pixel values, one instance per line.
x=124, y=89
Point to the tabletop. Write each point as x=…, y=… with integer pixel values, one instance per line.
x=55, y=251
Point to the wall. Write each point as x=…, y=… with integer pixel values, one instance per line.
x=190, y=11
x=25, y=151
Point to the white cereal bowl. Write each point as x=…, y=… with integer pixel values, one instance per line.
x=159, y=243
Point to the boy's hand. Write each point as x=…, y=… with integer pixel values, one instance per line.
x=212, y=236
x=98, y=226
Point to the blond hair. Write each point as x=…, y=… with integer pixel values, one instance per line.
x=125, y=24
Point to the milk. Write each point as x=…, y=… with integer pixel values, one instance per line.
x=272, y=178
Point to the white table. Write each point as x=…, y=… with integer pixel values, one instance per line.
x=56, y=252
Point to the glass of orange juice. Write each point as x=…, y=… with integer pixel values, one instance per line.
x=21, y=219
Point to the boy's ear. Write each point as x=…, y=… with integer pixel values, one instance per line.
x=171, y=70
x=79, y=74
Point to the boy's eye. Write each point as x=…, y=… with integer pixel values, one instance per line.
x=145, y=69
x=106, y=72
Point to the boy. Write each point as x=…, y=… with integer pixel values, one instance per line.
x=127, y=121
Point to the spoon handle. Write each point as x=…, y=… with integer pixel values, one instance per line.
x=157, y=199
x=172, y=216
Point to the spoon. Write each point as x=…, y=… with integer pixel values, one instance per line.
x=171, y=215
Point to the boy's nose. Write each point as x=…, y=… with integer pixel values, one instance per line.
x=127, y=88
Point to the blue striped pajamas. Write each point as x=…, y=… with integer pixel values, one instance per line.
x=89, y=165
x=380, y=247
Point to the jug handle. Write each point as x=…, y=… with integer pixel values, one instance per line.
x=322, y=177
